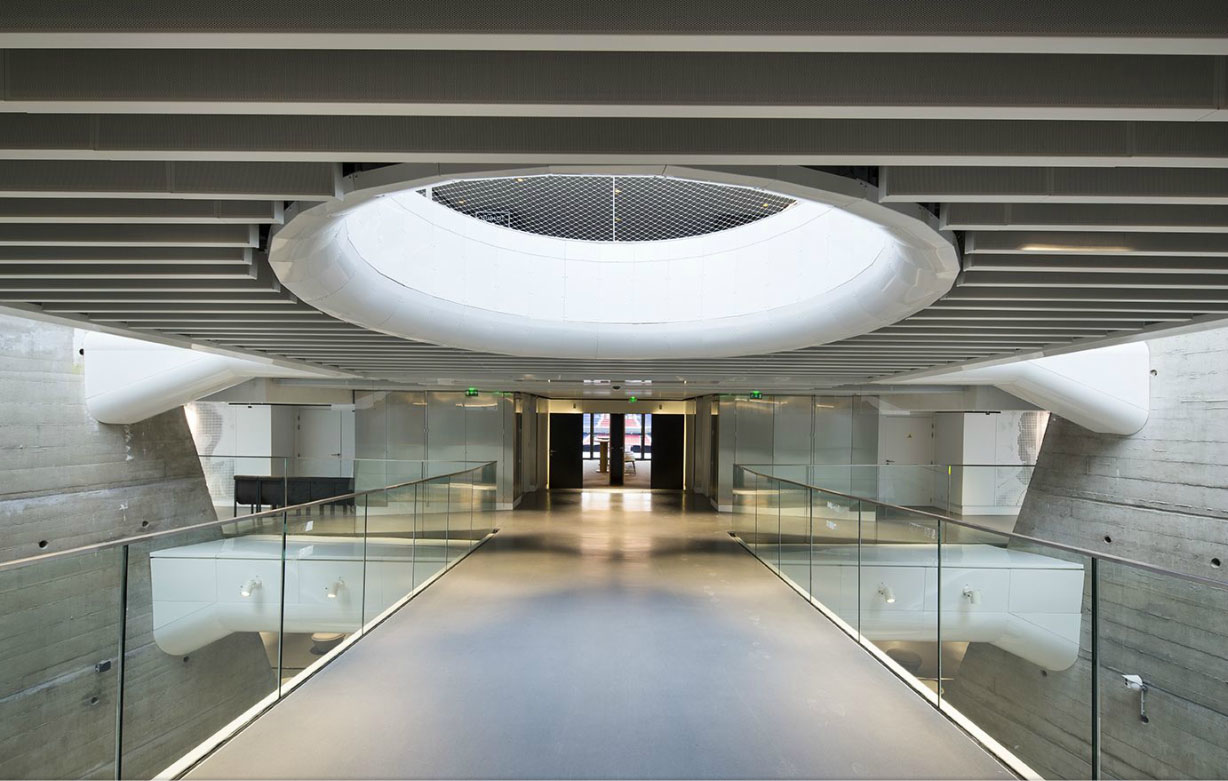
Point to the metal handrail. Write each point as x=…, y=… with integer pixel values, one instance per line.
x=138, y=538
x=1013, y=535
x=846, y=466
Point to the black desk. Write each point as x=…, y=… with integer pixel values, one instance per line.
x=258, y=490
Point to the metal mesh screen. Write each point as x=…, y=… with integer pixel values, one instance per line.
x=608, y=208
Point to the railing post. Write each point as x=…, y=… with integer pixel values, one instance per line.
x=281, y=606
x=938, y=610
x=1095, y=642
x=119, y=662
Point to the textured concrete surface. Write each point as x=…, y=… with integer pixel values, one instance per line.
x=1159, y=496
x=66, y=480
x=604, y=635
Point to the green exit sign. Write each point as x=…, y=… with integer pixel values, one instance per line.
x=471, y=392
x=756, y=394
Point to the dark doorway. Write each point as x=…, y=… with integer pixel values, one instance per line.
x=667, y=445
x=566, y=450
x=617, y=448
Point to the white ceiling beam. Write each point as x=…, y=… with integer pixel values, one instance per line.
x=1090, y=263
x=1155, y=245
x=612, y=84
x=910, y=146
x=220, y=179
x=930, y=184
x=13, y=235
x=995, y=26
x=1084, y=217
x=119, y=211
x=126, y=255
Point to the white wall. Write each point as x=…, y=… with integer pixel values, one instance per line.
x=987, y=445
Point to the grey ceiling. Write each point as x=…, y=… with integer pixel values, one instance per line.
x=147, y=148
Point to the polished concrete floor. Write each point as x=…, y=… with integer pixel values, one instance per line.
x=604, y=635
x=638, y=475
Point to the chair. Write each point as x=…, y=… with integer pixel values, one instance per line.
x=628, y=462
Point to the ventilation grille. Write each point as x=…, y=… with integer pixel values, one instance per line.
x=608, y=208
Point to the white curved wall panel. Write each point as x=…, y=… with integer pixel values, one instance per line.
x=1106, y=389
x=129, y=380
x=829, y=267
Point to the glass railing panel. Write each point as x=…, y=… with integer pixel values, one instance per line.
x=392, y=549
x=835, y=531
x=431, y=539
x=767, y=521
x=486, y=498
x=898, y=589
x=1016, y=651
x=333, y=467
x=794, y=541
x=743, y=520
x=1163, y=675
x=204, y=635
x=392, y=543
x=987, y=495
x=460, y=515
x=326, y=580
x=242, y=485
x=59, y=666
x=919, y=486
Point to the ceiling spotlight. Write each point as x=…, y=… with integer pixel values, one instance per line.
x=247, y=588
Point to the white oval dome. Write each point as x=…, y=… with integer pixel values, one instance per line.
x=806, y=271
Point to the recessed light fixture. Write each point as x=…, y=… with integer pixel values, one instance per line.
x=1072, y=248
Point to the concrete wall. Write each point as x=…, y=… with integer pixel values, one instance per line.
x=69, y=481
x=1160, y=496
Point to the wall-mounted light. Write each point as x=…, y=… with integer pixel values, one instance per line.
x=331, y=591
x=250, y=586
x=1135, y=683
x=886, y=593
x=972, y=595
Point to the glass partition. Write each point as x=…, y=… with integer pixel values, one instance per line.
x=243, y=485
x=985, y=623
x=835, y=551
x=59, y=665
x=793, y=551
x=139, y=651
x=205, y=609
x=1015, y=621
x=1163, y=668
x=899, y=587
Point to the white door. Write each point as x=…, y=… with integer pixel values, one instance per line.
x=905, y=456
x=323, y=441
